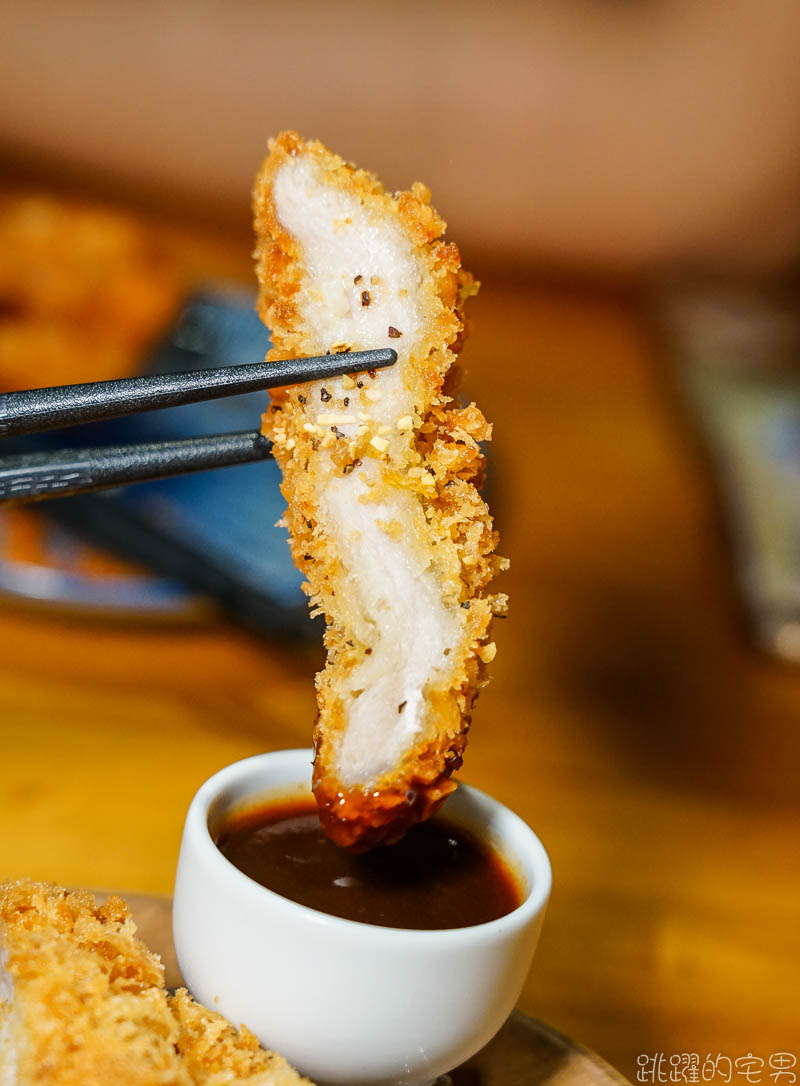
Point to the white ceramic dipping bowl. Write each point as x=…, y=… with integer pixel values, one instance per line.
x=347, y=1002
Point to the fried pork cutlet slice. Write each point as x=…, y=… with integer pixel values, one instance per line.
x=83, y=1003
x=83, y=998
x=380, y=476
x=216, y=1054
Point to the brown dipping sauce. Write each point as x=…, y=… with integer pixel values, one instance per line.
x=438, y=876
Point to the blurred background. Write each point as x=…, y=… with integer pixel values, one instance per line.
x=625, y=181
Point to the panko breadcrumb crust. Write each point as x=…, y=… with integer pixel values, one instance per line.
x=443, y=468
x=90, y=1008
x=216, y=1054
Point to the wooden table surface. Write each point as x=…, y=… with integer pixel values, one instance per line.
x=629, y=721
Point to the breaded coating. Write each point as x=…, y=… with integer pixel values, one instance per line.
x=84, y=290
x=216, y=1054
x=86, y=1001
x=83, y=1003
x=380, y=474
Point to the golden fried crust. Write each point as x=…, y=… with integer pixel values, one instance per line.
x=83, y=290
x=441, y=468
x=89, y=1007
x=216, y=1054
x=89, y=1000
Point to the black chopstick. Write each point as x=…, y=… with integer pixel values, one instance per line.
x=38, y=409
x=31, y=477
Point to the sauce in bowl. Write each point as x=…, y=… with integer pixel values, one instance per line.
x=438, y=876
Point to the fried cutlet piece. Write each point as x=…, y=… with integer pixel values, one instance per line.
x=380, y=475
x=84, y=290
x=84, y=998
x=83, y=1003
x=216, y=1054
